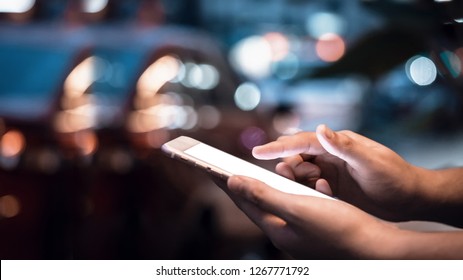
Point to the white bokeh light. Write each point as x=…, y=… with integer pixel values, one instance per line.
x=94, y=6
x=421, y=70
x=252, y=57
x=16, y=6
x=247, y=96
x=322, y=23
x=204, y=76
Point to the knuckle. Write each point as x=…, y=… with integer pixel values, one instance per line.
x=346, y=140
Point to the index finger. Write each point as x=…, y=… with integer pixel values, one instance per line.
x=286, y=146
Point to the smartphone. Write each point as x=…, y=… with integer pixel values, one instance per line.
x=224, y=165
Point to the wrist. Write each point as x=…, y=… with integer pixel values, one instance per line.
x=423, y=196
x=438, y=196
x=378, y=240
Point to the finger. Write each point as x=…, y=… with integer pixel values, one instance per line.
x=268, y=222
x=285, y=170
x=304, y=142
x=283, y=205
x=322, y=186
x=302, y=171
x=347, y=146
x=299, y=212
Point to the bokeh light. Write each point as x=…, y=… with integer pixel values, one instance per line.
x=47, y=160
x=252, y=57
x=253, y=136
x=12, y=143
x=421, y=70
x=247, y=96
x=80, y=78
x=452, y=62
x=76, y=119
x=208, y=117
x=94, y=6
x=287, y=68
x=9, y=206
x=163, y=111
x=286, y=123
x=200, y=76
x=330, y=47
x=279, y=45
x=16, y=6
x=87, y=141
x=322, y=23
x=192, y=75
x=157, y=74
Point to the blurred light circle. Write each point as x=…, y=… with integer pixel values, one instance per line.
x=48, y=161
x=181, y=72
x=157, y=74
x=330, y=47
x=247, y=96
x=120, y=161
x=193, y=75
x=94, y=6
x=12, y=143
x=279, y=45
x=286, y=123
x=452, y=62
x=209, y=117
x=204, y=76
x=322, y=23
x=287, y=68
x=80, y=78
x=16, y=6
x=253, y=136
x=86, y=141
x=252, y=57
x=9, y=206
x=421, y=70
x=191, y=117
x=102, y=69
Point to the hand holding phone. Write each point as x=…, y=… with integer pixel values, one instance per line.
x=224, y=165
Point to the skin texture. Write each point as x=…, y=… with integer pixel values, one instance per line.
x=370, y=180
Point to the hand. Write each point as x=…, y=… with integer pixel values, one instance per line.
x=351, y=167
x=313, y=227
x=308, y=227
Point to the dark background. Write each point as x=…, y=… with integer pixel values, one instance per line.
x=89, y=90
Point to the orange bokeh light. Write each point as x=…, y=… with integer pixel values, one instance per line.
x=12, y=143
x=9, y=206
x=330, y=47
x=279, y=45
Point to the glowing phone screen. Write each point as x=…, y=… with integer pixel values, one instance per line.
x=237, y=166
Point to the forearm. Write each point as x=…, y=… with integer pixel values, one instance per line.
x=441, y=195
x=427, y=245
x=387, y=241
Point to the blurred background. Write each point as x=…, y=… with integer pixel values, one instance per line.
x=90, y=90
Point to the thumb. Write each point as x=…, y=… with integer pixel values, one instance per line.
x=261, y=195
x=349, y=147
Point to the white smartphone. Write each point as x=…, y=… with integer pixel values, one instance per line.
x=224, y=165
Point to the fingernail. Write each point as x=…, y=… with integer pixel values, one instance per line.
x=255, y=150
x=329, y=134
x=236, y=184
x=234, y=181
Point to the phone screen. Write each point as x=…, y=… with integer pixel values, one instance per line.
x=237, y=166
